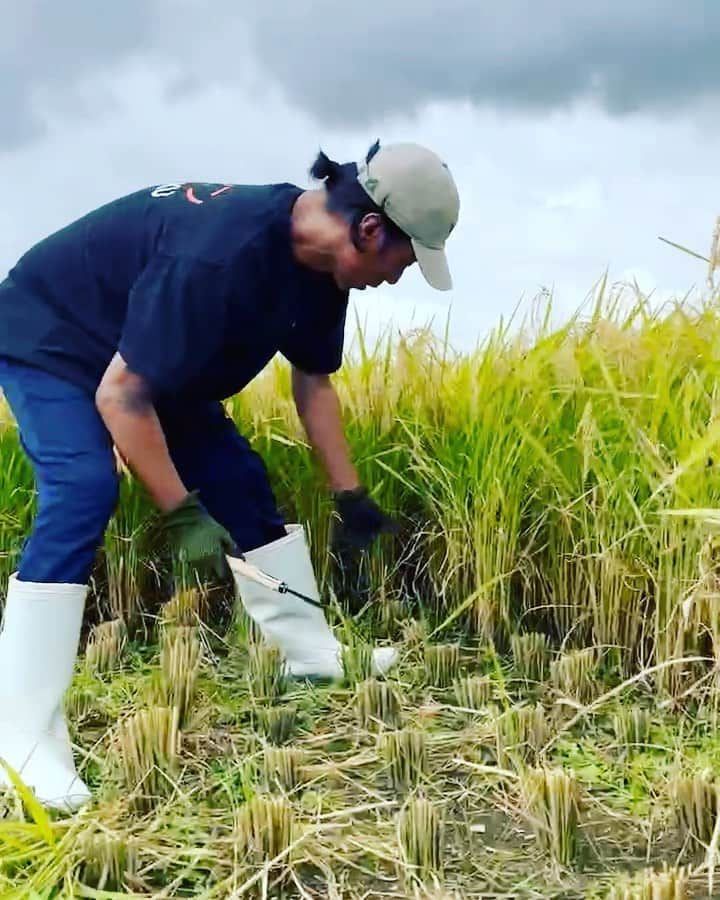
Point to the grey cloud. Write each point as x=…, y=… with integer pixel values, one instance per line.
x=350, y=63
x=47, y=45
x=371, y=58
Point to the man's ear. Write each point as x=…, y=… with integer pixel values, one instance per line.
x=371, y=231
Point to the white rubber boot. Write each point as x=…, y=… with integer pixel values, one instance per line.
x=38, y=646
x=300, y=630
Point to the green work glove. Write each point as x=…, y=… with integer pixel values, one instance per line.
x=196, y=541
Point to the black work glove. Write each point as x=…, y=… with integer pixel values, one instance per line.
x=359, y=521
x=196, y=541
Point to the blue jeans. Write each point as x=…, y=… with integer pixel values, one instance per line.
x=71, y=452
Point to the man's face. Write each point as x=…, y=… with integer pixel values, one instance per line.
x=380, y=261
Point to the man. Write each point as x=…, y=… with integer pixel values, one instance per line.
x=128, y=327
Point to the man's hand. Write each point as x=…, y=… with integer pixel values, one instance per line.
x=359, y=521
x=197, y=542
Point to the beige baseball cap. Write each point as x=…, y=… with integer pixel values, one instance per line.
x=415, y=189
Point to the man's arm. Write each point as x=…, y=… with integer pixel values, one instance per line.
x=125, y=405
x=319, y=410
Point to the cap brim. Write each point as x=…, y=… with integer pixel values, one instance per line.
x=434, y=266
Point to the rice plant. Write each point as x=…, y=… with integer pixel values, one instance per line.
x=696, y=802
x=442, y=664
x=530, y=654
x=180, y=660
x=473, y=692
x=632, y=726
x=104, y=859
x=357, y=661
x=145, y=754
x=420, y=835
x=551, y=801
x=187, y=607
x=520, y=733
x=264, y=828
x=282, y=766
x=266, y=672
x=377, y=705
x=106, y=646
x=278, y=723
x=669, y=883
x=405, y=754
x=572, y=674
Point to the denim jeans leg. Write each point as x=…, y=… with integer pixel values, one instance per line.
x=71, y=453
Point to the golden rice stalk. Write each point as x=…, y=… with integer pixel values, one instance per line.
x=632, y=726
x=106, y=646
x=266, y=672
x=180, y=659
x=264, y=826
x=530, y=655
x=551, y=800
x=572, y=674
x=145, y=750
x=696, y=800
x=520, y=734
x=670, y=883
x=420, y=835
x=377, y=705
x=357, y=661
x=473, y=692
x=283, y=766
x=187, y=606
x=104, y=859
x=278, y=723
x=442, y=664
x=405, y=755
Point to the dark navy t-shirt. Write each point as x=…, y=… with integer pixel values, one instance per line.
x=194, y=284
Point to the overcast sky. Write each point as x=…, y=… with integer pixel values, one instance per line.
x=577, y=133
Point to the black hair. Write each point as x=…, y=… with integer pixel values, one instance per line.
x=347, y=197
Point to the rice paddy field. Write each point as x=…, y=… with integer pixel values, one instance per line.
x=552, y=728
